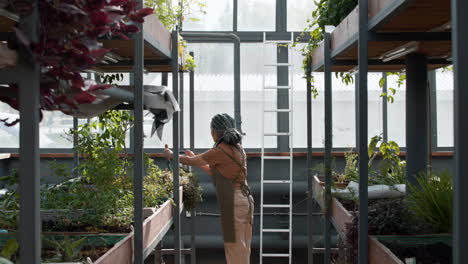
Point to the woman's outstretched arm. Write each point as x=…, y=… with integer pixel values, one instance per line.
x=190, y=159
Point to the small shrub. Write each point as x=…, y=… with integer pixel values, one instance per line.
x=431, y=200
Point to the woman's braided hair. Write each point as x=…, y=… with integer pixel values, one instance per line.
x=225, y=126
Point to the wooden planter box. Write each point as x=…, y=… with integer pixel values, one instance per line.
x=155, y=228
x=157, y=223
x=340, y=216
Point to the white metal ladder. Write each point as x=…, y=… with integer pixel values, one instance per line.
x=264, y=157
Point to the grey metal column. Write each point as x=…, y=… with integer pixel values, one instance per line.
x=193, y=212
x=139, y=169
x=328, y=146
x=310, y=242
x=176, y=140
x=363, y=226
x=417, y=116
x=28, y=75
x=460, y=63
x=237, y=88
x=164, y=79
x=282, y=98
x=433, y=108
x=181, y=104
x=75, y=145
x=385, y=108
x=356, y=109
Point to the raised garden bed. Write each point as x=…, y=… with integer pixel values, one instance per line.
x=425, y=249
x=340, y=216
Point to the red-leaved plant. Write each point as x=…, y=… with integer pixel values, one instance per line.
x=69, y=44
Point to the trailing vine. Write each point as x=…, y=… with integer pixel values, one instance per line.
x=328, y=12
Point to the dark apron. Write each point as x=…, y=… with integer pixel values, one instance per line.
x=225, y=189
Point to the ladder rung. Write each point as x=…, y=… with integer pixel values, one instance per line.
x=277, y=110
x=275, y=255
x=277, y=157
x=278, y=41
x=276, y=206
x=277, y=134
x=278, y=64
x=277, y=87
x=277, y=181
x=276, y=230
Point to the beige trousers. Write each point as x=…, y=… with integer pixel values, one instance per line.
x=239, y=252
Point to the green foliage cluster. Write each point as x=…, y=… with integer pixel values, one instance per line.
x=401, y=78
x=431, y=200
x=68, y=249
x=170, y=15
x=328, y=12
x=391, y=169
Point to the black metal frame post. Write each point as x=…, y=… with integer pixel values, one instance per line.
x=417, y=116
x=363, y=226
x=75, y=145
x=139, y=170
x=460, y=63
x=310, y=242
x=328, y=145
x=176, y=148
x=28, y=76
x=432, y=82
x=181, y=105
x=193, y=212
x=385, y=107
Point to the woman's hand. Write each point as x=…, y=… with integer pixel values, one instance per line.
x=167, y=152
x=189, y=153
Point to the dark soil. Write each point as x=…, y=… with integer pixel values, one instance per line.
x=425, y=254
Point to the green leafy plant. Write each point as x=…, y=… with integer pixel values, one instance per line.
x=431, y=200
x=351, y=172
x=170, y=15
x=400, y=81
x=391, y=169
x=67, y=248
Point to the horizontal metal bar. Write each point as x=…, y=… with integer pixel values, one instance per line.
x=276, y=206
x=380, y=62
x=277, y=87
x=277, y=181
x=279, y=65
x=244, y=36
x=278, y=110
x=274, y=255
x=128, y=62
x=277, y=157
x=410, y=36
x=275, y=230
x=277, y=134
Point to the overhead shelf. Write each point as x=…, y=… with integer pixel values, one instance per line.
x=157, y=40
x=392, y=25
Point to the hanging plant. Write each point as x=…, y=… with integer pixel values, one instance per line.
x=327, y=13
x=69, y=44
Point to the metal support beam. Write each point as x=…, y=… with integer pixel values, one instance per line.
x=237, y=87
x=410, y=36
x=433, y=107
x=417, y=116
x=164, y=78
x=385, y=108
x=328, y=146
x=460, y=63
x=75, y=145
x=176, y=147
x=139, y=170
x=193, y=243
x=29, y=182
x=181, y=104
x=363, y=226
x=310, y=242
